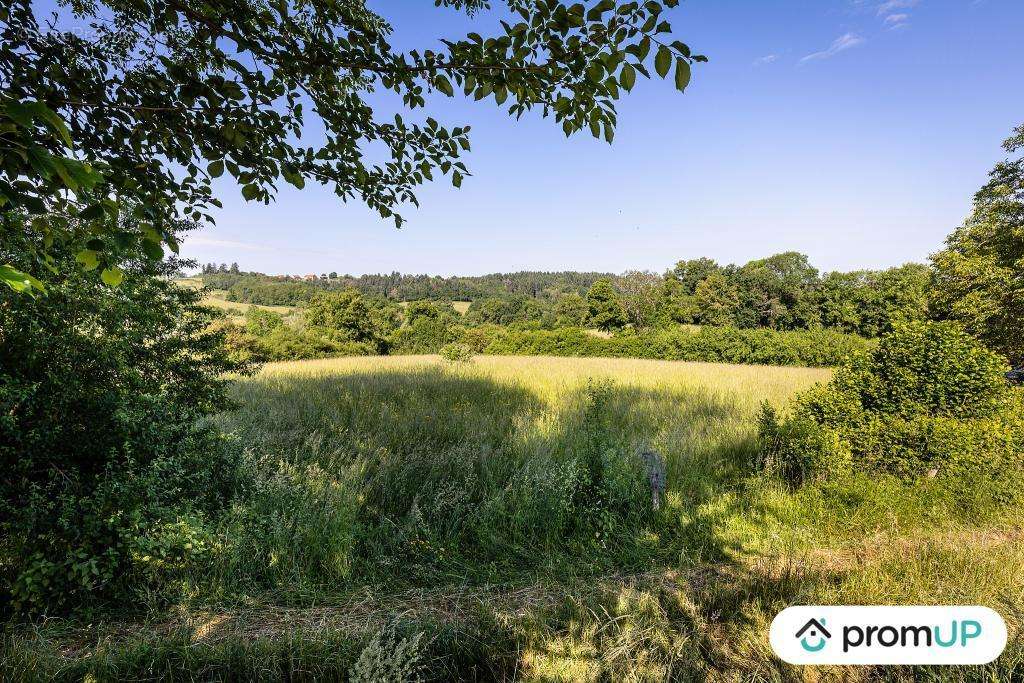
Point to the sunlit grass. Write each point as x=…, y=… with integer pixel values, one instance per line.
x=409, y=486
x=549, y=377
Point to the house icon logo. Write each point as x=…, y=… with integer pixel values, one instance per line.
x=815, y=632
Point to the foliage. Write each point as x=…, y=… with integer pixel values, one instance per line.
x=712, y=345
x=156, y=100
x=929, y=400
x=456, y=353
x=462, y=555
x=283, y=290
x=978, y=275
x=347, y=317
x=390, y=657
x=109, y=477
x=763, y=293
x=604, y=310
x=640, y=297
x=261, y=322
x=773, y=292
x=504, y=310
x=570, y=311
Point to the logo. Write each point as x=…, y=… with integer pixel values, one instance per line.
x=814, y=629
x=888, y=635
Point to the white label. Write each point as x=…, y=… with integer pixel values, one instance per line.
x=888, y=635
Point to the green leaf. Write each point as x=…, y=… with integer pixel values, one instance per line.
x=153, y=250
x=18, y=280
x=595, y=72
x=19, y=113
x=112, y=276
x=63, y=170
x=216, y=168
x=89, y=258
x=627, y=77
x=682, y=74
x=250, y=191
x=663, y=61
x=92, y=212
x=457, y=179
x=292, y=177
x=43, y=112
x=444, y=85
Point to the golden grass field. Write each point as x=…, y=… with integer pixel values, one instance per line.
x=549, y=376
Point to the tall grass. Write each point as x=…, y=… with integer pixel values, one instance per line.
x=474, y=472
x=500, y=507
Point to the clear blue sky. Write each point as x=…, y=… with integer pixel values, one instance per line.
x=854, y=131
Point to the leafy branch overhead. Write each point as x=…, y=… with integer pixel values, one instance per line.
x=150, y=101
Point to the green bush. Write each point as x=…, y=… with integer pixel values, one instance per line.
x=108, y=473
x=423, y=335
x=934, y=369
x=708, y=344
x=928, y=401
x=261, y=322
x=457, y=353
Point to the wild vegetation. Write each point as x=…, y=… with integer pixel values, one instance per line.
x=500, y=506
x=168, y=512
x=781, y=292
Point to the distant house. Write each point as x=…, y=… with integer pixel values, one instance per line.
x=311, y=276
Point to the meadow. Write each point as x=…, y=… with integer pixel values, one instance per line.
x=492, y=520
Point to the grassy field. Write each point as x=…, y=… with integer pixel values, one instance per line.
x=216, y=299
x=460, y=306
x=491, y=520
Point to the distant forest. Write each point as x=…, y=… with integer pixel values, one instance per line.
x=782, y=292
x=283, y=290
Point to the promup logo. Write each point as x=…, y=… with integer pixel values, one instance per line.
x=888, y=635
x=815, y=632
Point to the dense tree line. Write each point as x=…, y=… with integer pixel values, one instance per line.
x=287, y=291
x=781, y=292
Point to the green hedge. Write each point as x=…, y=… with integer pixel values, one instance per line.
x=816, y=348
x=929, y=401
x=708, y=344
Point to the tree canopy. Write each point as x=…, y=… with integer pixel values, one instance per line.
x=978, y=276
x=156, y=99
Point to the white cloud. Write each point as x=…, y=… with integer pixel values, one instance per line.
x=767, y=59
x=843, y=42
x=896, y=21
x=889, y=6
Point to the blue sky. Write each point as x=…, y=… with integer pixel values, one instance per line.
x=854, y=131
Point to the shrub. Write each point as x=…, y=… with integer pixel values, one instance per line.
x=260, y=322
x=108, y=473
x=928, y=400
x=457, y=353
x=708, y=344
x=390, y=657
x=423, y=334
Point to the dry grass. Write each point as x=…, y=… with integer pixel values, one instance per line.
x=215, y=298
x=549, y=377
x=460, y=306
